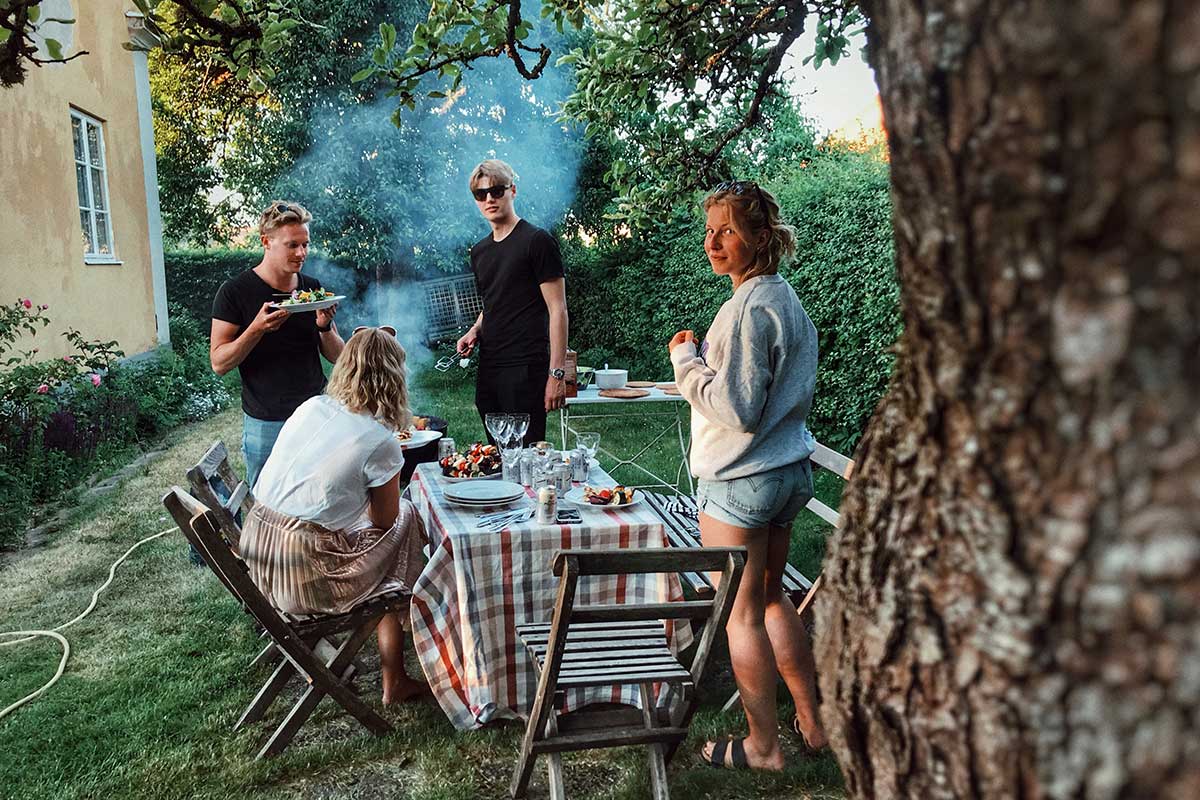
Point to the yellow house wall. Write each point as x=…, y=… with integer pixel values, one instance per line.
x=41, y=246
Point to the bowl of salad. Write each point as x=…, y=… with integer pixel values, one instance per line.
x=309, y=300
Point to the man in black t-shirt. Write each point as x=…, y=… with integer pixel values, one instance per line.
x=278, y=353
x=522, y=330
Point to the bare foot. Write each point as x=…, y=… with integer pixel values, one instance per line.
x=402, y=690
x=756, y=758
x=814, y=738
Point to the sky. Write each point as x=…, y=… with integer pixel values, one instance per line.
x=835, y=96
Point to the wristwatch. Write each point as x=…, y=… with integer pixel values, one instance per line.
x=558, y=373
x=327, y=328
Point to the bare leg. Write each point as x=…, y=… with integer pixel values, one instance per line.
x=749, y=644
x=397, y=686
x=789, y=640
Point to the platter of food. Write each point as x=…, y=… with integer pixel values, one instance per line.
x=411, y=438
x=602, y=496
x=309, y=300
x=624, y=394
x=480, y=462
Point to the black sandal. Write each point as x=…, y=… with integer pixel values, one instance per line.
x=737, y=755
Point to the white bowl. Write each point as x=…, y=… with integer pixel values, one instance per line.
x=611, y=378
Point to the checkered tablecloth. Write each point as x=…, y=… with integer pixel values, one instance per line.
x=479, y=586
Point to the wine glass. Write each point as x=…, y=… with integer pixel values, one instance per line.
x=498, y=426
x=589, y=441
x=518, y=427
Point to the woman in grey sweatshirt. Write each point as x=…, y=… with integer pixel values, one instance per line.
x=750, y=388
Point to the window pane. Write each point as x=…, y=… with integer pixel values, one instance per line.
x=86, y=224
x=81, y=184
x=103, y=246
x=93, y=137
x=98, y=190
x=77, y=135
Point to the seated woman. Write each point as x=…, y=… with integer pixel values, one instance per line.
x=750, y=390
x=329, y=529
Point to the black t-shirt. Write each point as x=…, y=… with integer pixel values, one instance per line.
x=509, y=275
x=284, y=368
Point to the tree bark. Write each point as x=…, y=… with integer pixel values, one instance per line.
x=1012, y=609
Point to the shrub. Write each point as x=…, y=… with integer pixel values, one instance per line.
x=62, y=419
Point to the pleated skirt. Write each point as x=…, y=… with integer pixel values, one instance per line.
x=304, y=568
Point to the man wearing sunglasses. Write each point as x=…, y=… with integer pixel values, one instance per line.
x=522, y=331
x=278, y=353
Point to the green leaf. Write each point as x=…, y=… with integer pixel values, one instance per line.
x=362, y=75
x=387, y=32
x=55, y=49
x=4, y=34
x=34, y=13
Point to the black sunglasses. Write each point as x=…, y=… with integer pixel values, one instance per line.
x=282, y=208
x=496, y=192
x=740, y=188
x=384, y=328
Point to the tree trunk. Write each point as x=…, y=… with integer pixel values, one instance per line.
x=1012, y=609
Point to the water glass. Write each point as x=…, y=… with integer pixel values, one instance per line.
x=517, y=428
x=498, y=426
x=589, y=441
x=510, y=462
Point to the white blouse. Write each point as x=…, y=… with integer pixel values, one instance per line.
x=325, y=459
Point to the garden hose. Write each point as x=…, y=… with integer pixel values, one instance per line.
x=28, y=636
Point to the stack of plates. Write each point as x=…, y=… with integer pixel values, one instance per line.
x=479, y=494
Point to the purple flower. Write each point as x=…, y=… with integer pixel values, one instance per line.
x=27, y=303
x=95, y=379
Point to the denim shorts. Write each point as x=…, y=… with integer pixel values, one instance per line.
x=774, y=497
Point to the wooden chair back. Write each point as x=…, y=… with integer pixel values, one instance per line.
x=217, y=486
x=620, y=622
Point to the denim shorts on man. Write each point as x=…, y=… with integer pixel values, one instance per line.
x=774, y=497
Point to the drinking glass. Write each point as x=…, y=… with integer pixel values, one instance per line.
x=510, y=460
x=589, y=441
x=518, y=427
x=498, y=426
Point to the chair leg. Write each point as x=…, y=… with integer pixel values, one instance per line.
x=654, y=752
x=266, y=695
x=554, y=773
x=266, y=656
x=320, y=686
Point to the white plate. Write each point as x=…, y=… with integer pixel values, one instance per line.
x=495, y=504
x=420, y=439
x=485, y=491
x=491, y=477
x=575, y=497
x=315, y=305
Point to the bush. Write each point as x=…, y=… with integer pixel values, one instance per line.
x=193, y=277
x=63, y=419
x=626, y=302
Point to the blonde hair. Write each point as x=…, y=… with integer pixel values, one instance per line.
x=755, y=210
x=280, y=213
x=495, y=169
x=370, y=377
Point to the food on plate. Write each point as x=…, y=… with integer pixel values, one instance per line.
x=420, y=423
x=479, y=461
x=404, y=434
x=608, y=496
x=307, y=296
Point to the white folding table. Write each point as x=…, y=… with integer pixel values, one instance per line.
x=658, y=404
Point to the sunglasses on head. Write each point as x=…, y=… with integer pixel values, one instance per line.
x=384, y=328
x=740, y=188
x=496, y=192
x=282, y=208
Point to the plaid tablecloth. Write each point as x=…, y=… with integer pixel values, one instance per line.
x=478, y=586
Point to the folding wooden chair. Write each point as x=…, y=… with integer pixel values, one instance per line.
x=216, y=485
x=305, y=643
x=608, y=645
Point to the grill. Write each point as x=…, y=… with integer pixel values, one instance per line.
x=451, y=305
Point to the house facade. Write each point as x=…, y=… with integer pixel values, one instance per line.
x=79, y=210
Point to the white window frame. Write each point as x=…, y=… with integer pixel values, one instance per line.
x=87, y=204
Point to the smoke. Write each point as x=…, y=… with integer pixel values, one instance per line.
x=391, y=205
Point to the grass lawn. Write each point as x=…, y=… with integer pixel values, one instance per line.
x=157, y=675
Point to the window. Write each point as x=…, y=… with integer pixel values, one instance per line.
x=91, y=180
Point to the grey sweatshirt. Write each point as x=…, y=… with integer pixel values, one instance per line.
x=752, y=390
